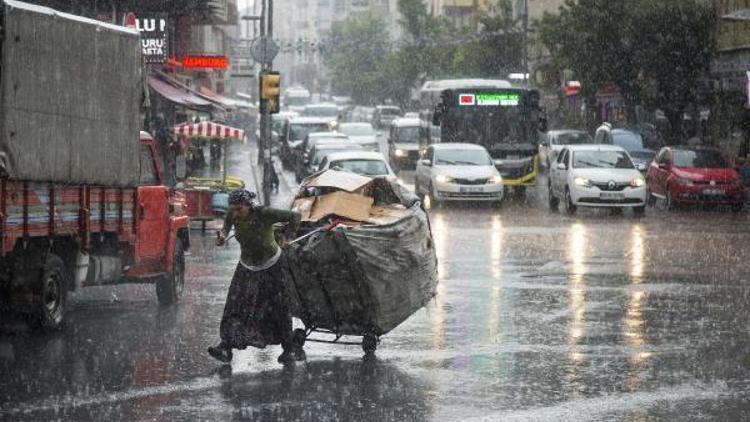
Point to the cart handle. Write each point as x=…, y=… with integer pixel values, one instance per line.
x=335, y=223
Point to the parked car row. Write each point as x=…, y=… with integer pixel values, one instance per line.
x=596, y=175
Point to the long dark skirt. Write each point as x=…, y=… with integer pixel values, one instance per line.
x=256, y=312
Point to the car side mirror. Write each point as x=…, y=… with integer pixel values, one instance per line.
x=427, y=163
x=562, y=166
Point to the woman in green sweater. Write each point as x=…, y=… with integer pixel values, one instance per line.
x=256, y=312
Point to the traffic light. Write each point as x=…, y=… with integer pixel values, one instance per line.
x=270, y=90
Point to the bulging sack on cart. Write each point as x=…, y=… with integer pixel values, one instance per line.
x=375, y=269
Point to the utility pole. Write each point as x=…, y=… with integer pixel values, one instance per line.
x=264, y=155
x=526, y=41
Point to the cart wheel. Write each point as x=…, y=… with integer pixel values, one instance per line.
x=369, y=343
x=298, y=337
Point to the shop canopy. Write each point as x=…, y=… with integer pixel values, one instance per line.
x=209, y=130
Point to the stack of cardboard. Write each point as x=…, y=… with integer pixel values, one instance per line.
x=350, y=197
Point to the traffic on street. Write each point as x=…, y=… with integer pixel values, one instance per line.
x=321, y=225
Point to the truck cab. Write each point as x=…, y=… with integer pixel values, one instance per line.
x=59, y=237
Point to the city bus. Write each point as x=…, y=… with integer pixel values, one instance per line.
x=507, y=120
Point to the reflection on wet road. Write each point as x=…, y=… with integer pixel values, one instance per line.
x=539, y=316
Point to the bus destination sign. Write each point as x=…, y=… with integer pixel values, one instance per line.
x=489, y=99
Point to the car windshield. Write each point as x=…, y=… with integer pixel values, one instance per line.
x=572, y=138
x=357, y=130
x=321, y=111
x=361, y=166
x=646, y=155
x=408, y=135
x=628, y=141
x=462, y=157
x=699, y=159
x=320, y=153
x=390, y=111
x=602, y=159
x=298, y=131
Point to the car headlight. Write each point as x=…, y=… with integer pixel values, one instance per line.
x=400, y=153
x=498, y=180
x=684, y=182
x=638, y=182
x=582, y=181
x=443, y=179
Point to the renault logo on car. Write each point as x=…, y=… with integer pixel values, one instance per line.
x=611, y=184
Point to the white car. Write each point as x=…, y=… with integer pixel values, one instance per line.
x=363, y=134
x=458, y=172
x=364, y=163
x=596, y=176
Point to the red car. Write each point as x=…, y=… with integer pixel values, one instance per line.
x=694, y=175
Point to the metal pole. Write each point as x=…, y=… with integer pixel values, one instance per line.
x=261, y=102
x=267, y=23
x=526, y=41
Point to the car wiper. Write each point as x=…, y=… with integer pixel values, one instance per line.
x=466, y=163
x=586, y=163
x=446, y=162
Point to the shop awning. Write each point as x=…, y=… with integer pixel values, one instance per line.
x=209, y=130
x=176, y=94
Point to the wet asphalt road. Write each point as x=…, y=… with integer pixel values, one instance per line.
x=539, y=317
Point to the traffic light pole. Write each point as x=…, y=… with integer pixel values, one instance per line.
x=264, y=144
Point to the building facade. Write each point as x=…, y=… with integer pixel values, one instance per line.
x=301, y=27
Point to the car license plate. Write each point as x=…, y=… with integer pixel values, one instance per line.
x=611, y=195
x=466, y=189
x=713, y=191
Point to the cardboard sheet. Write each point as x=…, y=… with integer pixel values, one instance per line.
x=343, y=204
x=342, y=180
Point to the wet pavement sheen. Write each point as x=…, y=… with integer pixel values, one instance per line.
x=539, y=316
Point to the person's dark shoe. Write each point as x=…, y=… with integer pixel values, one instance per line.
x=286, y=357
x=220, y=353
x=300, y=354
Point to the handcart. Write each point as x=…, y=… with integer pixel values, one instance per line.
x=207, y=198
x=361, y=279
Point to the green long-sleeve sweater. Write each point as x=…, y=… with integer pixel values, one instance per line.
x=255, y=233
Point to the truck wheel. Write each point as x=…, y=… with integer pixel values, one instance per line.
x=170, y=287
x=369, y=344
x=52, y=291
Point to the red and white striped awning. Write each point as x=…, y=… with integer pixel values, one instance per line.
x=209, y=130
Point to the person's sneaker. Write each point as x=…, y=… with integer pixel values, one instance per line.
x=285, y=357
x=220, y=353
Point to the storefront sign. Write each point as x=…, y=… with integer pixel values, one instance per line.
x=154, y=31
x=205, y=62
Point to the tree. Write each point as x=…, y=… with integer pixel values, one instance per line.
x=356, y=53
x=499, y=49
x=652, y=49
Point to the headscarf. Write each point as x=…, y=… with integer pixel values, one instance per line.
x=241, y=197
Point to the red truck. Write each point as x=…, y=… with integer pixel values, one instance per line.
x=82, y=195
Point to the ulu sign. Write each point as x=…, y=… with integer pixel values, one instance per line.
x=153, y=29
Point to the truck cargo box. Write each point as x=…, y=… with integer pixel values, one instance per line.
x=71, y=98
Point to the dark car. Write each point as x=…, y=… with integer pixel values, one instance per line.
x=630, y=141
